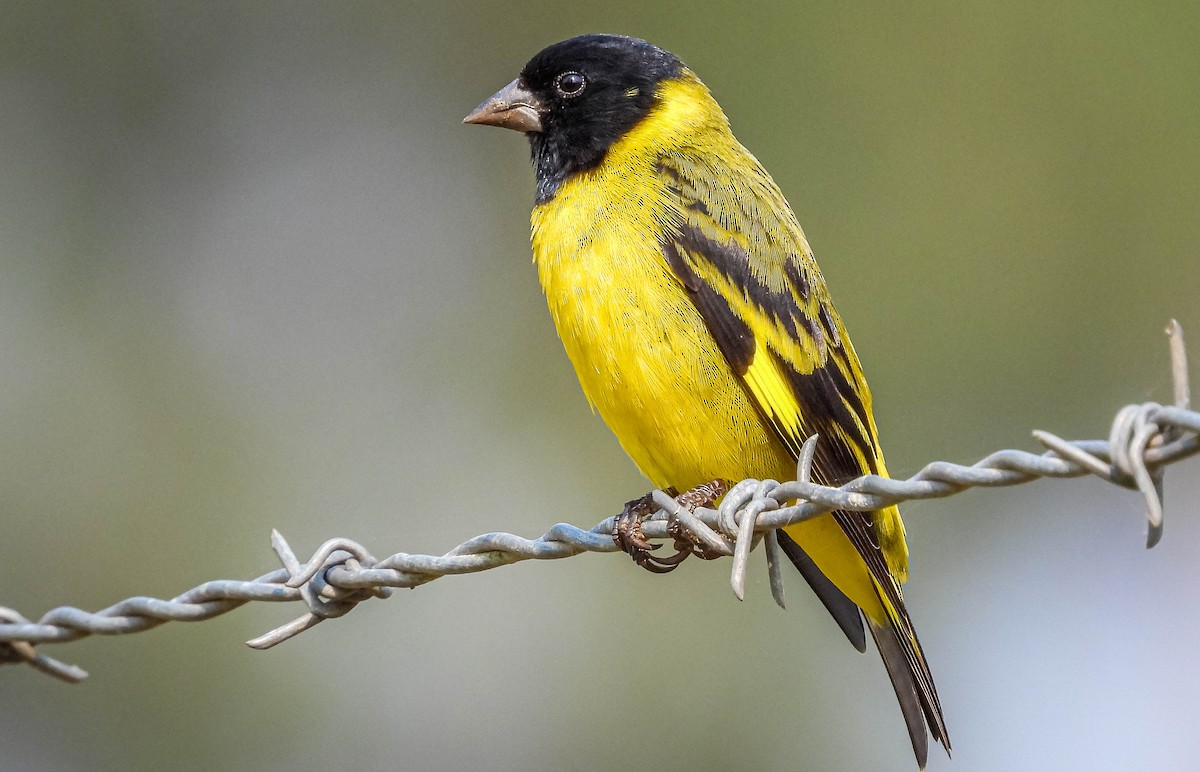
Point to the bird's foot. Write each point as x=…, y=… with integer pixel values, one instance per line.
x=628, y=534
x=701, y=496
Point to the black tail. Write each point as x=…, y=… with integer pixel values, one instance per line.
x=919, y=705
x=898, y=646
x=841, y=608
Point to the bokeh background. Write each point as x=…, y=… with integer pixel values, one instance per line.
x=254, y=275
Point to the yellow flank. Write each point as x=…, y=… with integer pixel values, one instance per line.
x=641, y=350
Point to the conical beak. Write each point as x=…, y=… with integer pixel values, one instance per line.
x=512, y=107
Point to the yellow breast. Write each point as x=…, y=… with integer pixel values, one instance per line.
x=640, y=349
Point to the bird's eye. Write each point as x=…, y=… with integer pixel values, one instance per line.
x=570, y=84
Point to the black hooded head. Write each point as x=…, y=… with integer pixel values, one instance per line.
x=590, y=91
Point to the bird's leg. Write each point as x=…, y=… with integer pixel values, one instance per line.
x=701, y=496
x=627, y=528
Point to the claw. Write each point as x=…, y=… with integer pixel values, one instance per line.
x=659, y=565
x=627, y=527
x=628, y=535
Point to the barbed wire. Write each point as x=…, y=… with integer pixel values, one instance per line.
x=1144, y=439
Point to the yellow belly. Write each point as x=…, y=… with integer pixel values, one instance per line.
x=648, y=364
x=640, y=349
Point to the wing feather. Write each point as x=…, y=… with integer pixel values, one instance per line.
x=738, y=250
x=765, y=303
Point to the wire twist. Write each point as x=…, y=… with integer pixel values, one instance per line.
x=341, y=573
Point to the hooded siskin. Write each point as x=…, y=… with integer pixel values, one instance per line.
x=699, y=325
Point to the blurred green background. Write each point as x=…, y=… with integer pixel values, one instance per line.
x=255, y=275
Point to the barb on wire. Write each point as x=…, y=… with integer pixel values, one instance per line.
x=1144, y=439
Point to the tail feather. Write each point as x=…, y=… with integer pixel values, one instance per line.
x=895, y=638
x=841, y=560
x=841, y=608
x=911, y=658
x=911, y=705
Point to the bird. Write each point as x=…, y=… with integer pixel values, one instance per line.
x=699, y=326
